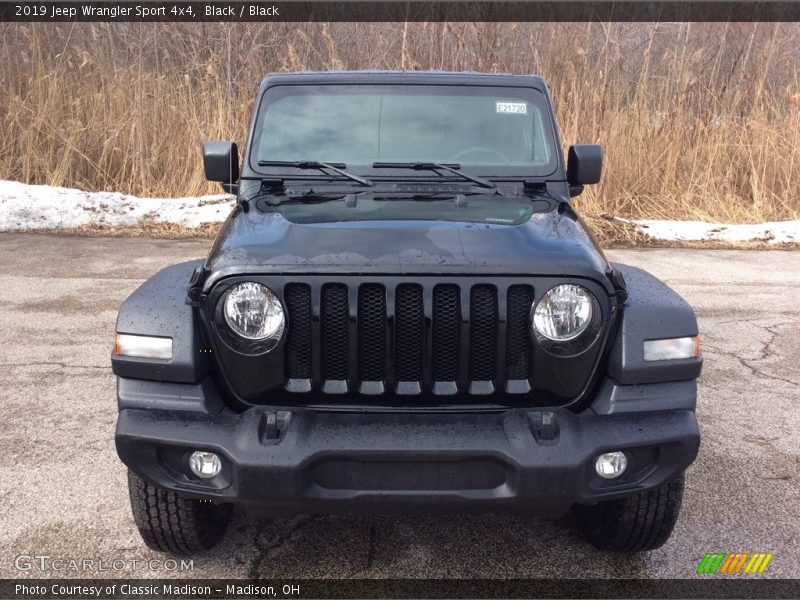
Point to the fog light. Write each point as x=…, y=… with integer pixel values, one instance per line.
x=611, y=464
x=205, y=464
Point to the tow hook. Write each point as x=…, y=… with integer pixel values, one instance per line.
x=273, y=424
x=544, y=427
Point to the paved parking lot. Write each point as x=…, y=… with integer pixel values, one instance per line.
x=63, y=489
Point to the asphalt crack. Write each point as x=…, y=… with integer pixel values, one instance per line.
x=369, y=561
x=371, y=549
x=755, y=371
x=263, y=550
x=765, y=351
x=703, y=384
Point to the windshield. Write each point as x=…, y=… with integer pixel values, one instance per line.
x=488, y=129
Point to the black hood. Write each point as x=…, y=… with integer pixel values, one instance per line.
x=550, y=241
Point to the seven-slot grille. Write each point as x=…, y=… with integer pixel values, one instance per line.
x=409, y=339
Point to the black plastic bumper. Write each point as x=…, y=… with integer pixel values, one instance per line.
x=525, y=460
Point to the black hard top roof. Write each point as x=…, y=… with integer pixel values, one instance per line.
x=395, y=77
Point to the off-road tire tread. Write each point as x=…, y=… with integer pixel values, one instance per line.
x=171, y=523
x=637, y=523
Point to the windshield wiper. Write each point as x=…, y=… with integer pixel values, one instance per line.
x=315, y=164
x=432, y=166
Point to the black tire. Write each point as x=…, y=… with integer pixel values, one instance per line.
x=636, y=523
x=170, y=523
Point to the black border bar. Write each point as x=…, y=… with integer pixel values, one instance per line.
x=711, y=586
x=397, y=11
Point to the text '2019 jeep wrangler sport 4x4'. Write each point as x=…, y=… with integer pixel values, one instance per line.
x=404, y=312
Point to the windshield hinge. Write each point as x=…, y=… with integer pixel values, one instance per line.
x=271, y=185
x=535, y=186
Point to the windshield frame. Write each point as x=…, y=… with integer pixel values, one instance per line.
x=553, y=171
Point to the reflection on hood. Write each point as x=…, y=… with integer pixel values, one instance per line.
x=402, y=236
x=368, y=206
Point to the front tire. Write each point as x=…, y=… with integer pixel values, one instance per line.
x=171, y=523
x=637, y=523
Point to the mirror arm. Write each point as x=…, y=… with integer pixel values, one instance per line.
x=575, y=190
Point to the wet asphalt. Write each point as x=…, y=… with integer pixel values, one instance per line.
x=63, y=490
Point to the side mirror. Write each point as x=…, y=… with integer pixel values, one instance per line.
x=221, y=163
x=584, y=166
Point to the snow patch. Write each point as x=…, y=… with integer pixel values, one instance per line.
x=776, y=232
x=26, y=207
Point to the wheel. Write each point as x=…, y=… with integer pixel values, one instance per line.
x=637, y=523
x=484, y=150
x=170, y=523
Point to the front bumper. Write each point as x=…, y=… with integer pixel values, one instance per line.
x=313, y=461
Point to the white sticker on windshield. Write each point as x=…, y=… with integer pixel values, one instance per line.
x=512, y=108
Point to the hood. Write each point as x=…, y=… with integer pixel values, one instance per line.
x=547, y=242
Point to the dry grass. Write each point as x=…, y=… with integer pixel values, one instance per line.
x=700, y=121
x=146, y=228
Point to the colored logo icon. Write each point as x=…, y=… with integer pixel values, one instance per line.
x=720, y=563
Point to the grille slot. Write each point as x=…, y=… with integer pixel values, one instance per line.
x=372, y=332
x=409, y=332
x=376, y=337
x=334, y=316
x=518, y=335
x=446, y=330
x=483, y=321
x=298, y=336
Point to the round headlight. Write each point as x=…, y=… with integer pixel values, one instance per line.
x=563, y=313
x=253, y=311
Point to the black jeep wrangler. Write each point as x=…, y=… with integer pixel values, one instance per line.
x=404, y=312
